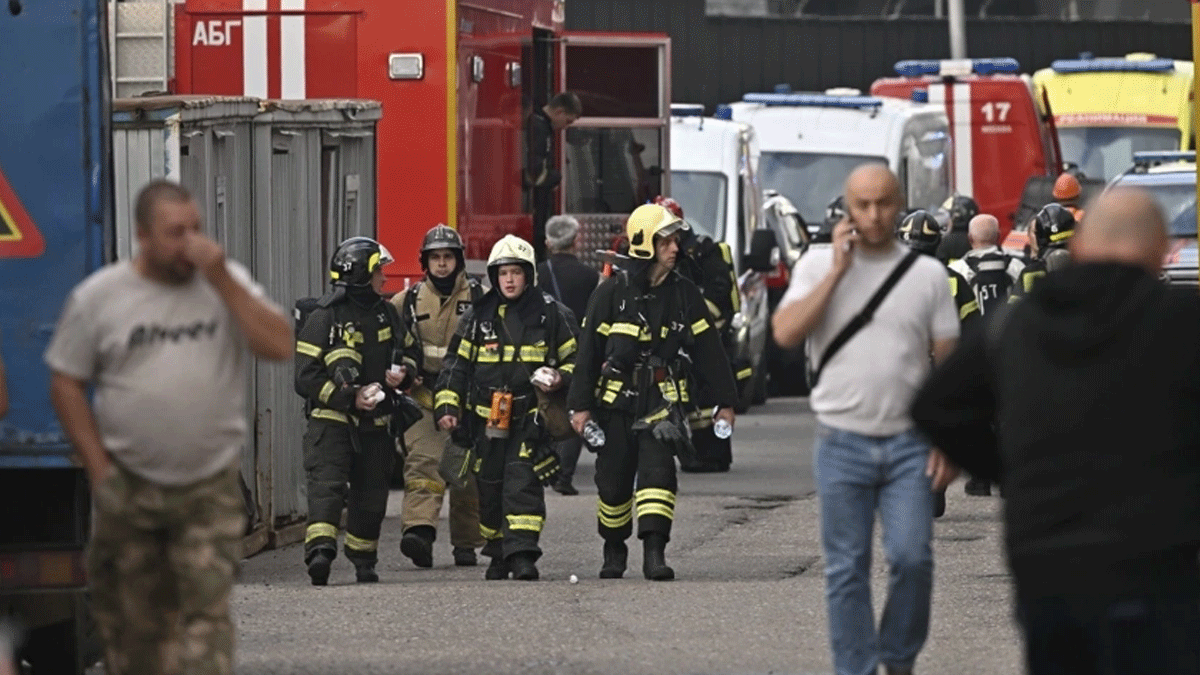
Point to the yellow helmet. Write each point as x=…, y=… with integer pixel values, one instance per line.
x=512, y=250
x=647, y=222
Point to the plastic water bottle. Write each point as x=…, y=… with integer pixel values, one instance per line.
x=593, y=434
x=722, y=429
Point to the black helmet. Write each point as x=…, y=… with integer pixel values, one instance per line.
x=960, y=209
x=1052, y=227
x=921, y=231
x=442, y=237
x=356, y=260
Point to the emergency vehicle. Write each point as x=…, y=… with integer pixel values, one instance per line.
x=1106, y=109
x=1000, y=132
x=713, y=177
x=812, y=141
x=1171, y=178
x=457, y=81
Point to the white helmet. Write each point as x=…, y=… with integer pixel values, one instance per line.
x=512, y=250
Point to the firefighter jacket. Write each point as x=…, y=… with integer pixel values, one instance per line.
x=343, y=346
x=709, y=265
x=430, y=320
x=631, y=343
x=1034, y=271
x=964, y=298
x=497, y=347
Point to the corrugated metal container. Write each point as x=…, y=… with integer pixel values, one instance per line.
x=314, y=163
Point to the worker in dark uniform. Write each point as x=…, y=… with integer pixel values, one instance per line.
x=646, y=334
x=1052, y=227
x=922, y=232
x=958, y=210
x=344, y=352
x=509, y=341
x=541, y=176
x=709, y=265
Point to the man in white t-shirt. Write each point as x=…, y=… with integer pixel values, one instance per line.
x=868, y=455
x=164, y=340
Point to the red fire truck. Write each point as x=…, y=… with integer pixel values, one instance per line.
x=457, y=80
x=1001, y=132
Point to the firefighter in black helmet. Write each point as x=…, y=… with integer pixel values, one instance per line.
x=1052, y=227
x=344, y=351
x=509, y=341
x=646, y=333
x=958, y=210
x=430, y=311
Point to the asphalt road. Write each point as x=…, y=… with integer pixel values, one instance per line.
x=748, y=598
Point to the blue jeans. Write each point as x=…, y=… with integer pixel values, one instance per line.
x=857, y=475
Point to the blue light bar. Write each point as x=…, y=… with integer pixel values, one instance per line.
x=920, y=96
x=687, y=110
x=1111, y=65
x=989, y=66
x=724, y=112
x=1147, y=157
x=815, y=100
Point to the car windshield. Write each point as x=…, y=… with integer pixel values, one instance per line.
x=702, y=196
x=1104, y=152
x=809, y=180
x=1178, y=202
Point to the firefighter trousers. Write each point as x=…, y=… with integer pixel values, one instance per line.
x=628, y=455
x=424, y=490
x=512, y=501
x=339, y=477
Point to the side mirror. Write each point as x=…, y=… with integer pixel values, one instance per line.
x=764, y=251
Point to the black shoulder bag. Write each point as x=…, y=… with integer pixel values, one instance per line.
x=861, y=319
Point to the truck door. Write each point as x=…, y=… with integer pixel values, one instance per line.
x=616, y=156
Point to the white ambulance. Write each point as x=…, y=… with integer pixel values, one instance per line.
x=810, y=142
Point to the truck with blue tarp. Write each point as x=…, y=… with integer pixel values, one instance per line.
x=55, y=229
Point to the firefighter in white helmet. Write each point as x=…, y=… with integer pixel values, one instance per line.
x=647, y=331
x=509, y=341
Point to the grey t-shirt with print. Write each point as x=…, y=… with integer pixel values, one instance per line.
x=169, y=368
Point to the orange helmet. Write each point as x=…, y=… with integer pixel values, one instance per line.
x=669, y=204
x=1066, y=188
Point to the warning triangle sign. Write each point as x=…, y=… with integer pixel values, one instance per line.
x=19, y=237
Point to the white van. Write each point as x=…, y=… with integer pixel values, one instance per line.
x=713, y=177
x=811, y=141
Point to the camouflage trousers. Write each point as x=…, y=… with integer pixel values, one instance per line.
x=161, y=566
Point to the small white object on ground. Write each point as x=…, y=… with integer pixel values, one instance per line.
x=574, y=579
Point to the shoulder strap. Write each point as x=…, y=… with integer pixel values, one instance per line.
x=864, y=317
x=554, y=279
x=475, y=288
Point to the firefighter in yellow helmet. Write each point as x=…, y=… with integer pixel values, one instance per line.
x=646, y=333
x=511, y=340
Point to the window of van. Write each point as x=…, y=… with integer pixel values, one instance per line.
x=926, y=171
x=611, y=169
x=1104, y=152
x=702, y=196
x=809, y=180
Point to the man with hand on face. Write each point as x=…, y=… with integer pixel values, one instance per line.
x=430, y=312
x=647, y=332
x=511, y=340
x=873, y=311
x=163, y=339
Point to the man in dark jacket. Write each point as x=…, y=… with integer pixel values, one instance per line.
x=570, y=282
x=1082, y=401
x=541, y=176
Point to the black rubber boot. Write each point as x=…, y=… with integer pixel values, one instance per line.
x=616, y=556
x=319, y=562
x=465, y=557
x=654, y=563
x=498, y=570
x=417, y=544
x=364, y=571
x=524, y=567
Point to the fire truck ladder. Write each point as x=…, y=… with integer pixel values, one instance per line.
x=140, y=44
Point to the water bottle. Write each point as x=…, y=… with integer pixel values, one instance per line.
x=593, y=434
x=722, y=429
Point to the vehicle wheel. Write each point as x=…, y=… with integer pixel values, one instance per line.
x=62, y=648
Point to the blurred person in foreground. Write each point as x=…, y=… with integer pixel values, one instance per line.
x=1102, y=496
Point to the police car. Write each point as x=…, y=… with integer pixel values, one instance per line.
x=1171, y=177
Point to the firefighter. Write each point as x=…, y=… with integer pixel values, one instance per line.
x=344, y=352
x=709, y=265
x=922, y=232
x=1067, y=193
x=646, y=333
x=510, y=337
x=835, y=212
x=1052, y=227
x=958, y=210
x=430, y=311
x=541, y=176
